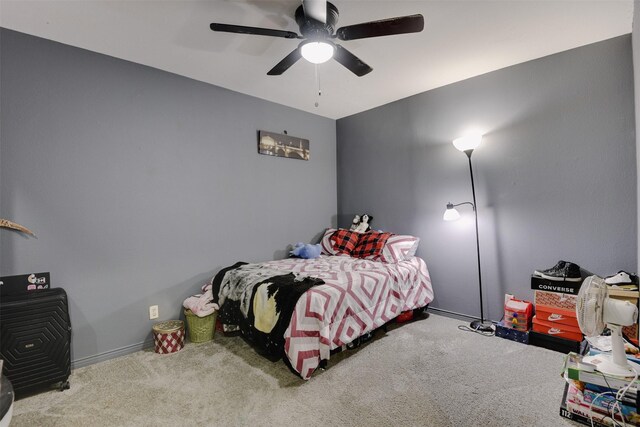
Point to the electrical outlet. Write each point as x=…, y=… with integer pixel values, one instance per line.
x=153, y=312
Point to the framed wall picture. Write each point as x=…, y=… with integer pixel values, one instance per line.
x=275, y=144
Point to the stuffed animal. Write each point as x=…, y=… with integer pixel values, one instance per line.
x=306, y=251
x=354, y=223
x=364, y=226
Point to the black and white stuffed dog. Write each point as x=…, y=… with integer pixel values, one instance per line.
x=361, y=223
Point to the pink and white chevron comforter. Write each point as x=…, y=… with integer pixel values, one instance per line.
x=358, y=296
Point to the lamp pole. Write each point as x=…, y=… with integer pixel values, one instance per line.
x=467, y=144
x=475, y=211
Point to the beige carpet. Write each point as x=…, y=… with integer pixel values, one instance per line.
x=424, y=373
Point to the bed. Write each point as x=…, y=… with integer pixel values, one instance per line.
x=340, y=298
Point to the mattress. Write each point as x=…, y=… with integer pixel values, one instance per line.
x=357, y=297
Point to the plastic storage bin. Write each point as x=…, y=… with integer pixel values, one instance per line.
x=517, y=313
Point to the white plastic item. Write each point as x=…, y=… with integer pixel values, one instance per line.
x=595, y=310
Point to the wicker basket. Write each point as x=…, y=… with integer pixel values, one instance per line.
x=201, y=329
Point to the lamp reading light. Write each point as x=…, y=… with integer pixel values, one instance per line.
x=317, y=52
x=451, y=214
x=469, y=142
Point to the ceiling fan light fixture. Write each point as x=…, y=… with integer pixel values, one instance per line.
x=317, y=52
x=317, y=21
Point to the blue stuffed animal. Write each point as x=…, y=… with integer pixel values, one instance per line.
x=306, y=251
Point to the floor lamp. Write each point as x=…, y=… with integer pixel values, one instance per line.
x=467, y=144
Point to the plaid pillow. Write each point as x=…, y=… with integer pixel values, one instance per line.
x=370, y=245
x=344, y=241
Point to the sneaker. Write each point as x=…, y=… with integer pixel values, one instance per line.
x=622, y=278
x=562, y=271
x=624, y=287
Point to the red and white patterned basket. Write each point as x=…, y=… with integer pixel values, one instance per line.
x=168, y=336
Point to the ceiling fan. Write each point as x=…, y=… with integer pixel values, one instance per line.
x=317, y=20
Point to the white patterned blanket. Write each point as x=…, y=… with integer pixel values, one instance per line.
x=358, y=296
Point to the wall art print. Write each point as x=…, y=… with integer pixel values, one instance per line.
x=275, y=144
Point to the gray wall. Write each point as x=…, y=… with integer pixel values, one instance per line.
x=555, y=176
x=635, y=41
x=141, y=184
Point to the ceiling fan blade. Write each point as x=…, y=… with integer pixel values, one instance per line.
x=241, y=29
x=352, y=62
x=315, y=9
x=287, y=62
x=385, y=27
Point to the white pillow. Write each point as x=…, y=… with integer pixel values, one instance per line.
x=399, y=248
x=326, y=244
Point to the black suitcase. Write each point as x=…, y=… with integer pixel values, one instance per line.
x=35, y=339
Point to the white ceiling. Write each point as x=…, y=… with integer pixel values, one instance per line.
x=461, y=39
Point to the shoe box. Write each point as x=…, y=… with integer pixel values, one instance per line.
x=565, y=287
x=504, y=330
x=556, y=315
x=554, y=343
x=556, y=329
x=555, y=325
x=556, y=308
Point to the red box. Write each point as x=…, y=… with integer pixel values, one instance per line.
x=556, y=330
x=560, y=316
x=168, y=336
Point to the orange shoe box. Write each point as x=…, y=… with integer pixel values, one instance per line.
x=555, y=300
x=556, y=329
x=560, y=316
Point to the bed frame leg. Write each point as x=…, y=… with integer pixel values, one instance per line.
x=323, y=364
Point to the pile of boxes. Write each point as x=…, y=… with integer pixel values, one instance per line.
x=554, y=325
x=517, y=320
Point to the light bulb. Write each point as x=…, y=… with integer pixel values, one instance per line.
x=469, y=142
x=451, y=214
x=317, y=52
